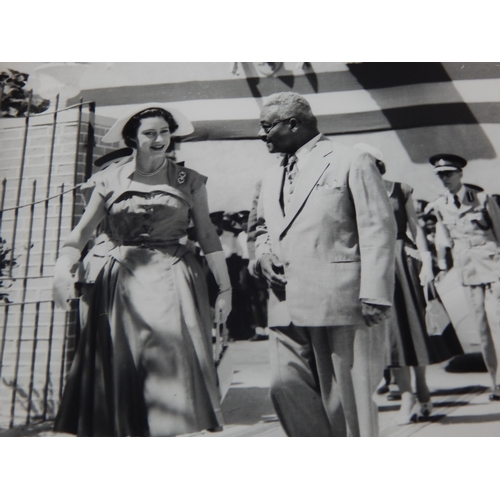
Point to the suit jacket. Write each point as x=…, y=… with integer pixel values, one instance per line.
x=473, y=233
x=337, y=240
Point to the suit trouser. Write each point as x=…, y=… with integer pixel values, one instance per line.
x=324, y=378
x=485, y=300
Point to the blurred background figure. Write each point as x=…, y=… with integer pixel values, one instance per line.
x=239, y=321
x=248, y=319
x=257, y=285
x=407, y=341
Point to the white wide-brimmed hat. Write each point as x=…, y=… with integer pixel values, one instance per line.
x=115, y=132
x=368, y=148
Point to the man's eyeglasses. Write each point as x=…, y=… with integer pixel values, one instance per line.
x=267, y=128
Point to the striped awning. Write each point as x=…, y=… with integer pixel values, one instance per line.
x=348, y=99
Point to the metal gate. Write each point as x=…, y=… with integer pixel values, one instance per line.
x=43, y=158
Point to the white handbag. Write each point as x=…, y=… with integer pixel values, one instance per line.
x=436, y=317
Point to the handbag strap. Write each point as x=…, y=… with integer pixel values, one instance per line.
x=221, y=341
x=430, y=292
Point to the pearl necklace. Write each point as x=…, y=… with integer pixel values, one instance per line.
x=154, y=172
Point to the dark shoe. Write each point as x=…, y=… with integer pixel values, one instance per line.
x=258, y=337
x=426, y=409
x=394, y=396
x=383, y=389
x=495, y=394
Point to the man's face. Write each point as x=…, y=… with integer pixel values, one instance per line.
x=276, y=133
x=452, y=180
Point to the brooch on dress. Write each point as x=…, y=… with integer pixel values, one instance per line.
x=182, y=177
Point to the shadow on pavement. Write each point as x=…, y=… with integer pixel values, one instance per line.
x=246, y=406
x=31, y=430
x=450, y=404
x=394, y=407
x=459, y=390
x=471, y=419
x=467, y=363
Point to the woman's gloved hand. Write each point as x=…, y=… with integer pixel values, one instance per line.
x=223, y=306
x=217, y=264
x=426, y=274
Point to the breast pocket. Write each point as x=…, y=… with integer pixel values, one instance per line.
x=330, y=187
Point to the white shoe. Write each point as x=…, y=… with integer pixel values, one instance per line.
x=408, y=413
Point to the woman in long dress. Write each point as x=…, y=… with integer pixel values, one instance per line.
x=408, y=344
x=144, y=364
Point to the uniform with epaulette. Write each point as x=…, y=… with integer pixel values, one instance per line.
x=469, y=224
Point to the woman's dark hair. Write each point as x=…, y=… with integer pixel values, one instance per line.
x=129, y=132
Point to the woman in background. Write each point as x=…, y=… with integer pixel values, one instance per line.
x=407, y=340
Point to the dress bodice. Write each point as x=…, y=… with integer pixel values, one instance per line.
x=148, y=216
x=141, y=213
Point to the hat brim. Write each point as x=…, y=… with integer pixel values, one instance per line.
x=447, y=168
x=367, y=148
x=185, y=127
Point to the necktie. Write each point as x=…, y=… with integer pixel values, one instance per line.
x=291, y=169
x=456, y=201
x=291, y=174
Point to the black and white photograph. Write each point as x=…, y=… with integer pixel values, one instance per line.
x=195, y=245
x=250, y=249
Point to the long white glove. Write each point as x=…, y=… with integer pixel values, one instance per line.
x=64, y=280
x=426, y=275
x=217, y=264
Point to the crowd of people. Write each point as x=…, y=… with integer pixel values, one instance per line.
x=333, y=263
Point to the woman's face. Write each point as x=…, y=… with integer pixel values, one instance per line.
x=153, y=137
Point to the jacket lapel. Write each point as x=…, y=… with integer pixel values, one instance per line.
x=272, y=195
x=317, y=162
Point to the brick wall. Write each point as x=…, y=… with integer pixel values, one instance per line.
x=36, y=340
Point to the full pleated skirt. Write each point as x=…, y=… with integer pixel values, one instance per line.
x=407, y=340
x=144, y=364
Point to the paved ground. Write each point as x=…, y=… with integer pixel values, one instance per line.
x=461, y=405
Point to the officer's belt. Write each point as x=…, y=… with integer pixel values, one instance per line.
x=474, y=241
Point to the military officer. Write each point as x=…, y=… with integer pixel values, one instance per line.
x=469, y=224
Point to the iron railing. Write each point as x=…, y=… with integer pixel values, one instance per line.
x=36, y=339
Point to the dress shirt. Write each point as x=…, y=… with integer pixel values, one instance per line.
x=301, y=154
x=304, y=151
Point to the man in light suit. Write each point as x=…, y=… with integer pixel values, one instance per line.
x=325, y=243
